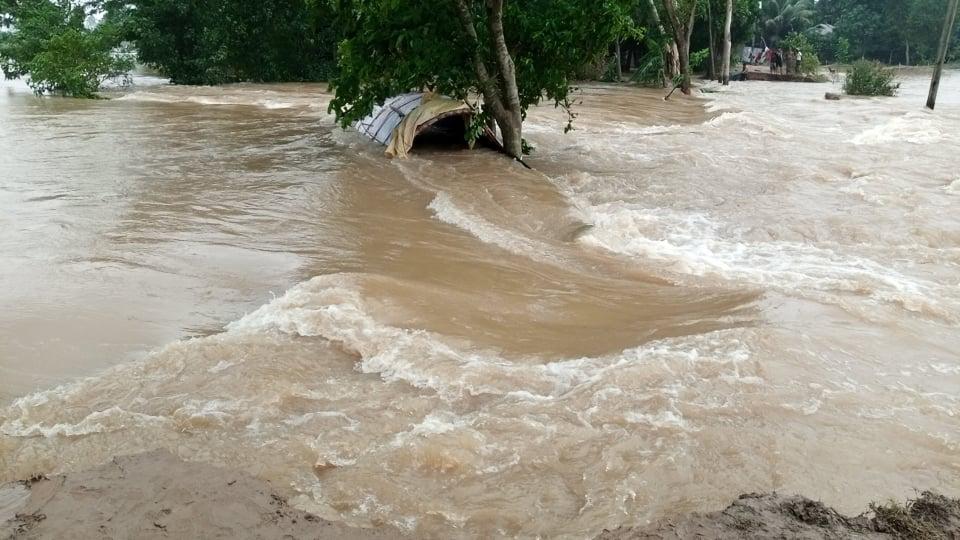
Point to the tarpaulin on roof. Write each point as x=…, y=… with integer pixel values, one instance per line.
x=431, y=109
x=400, y=119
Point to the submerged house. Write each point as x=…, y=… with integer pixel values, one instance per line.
x=405, y=118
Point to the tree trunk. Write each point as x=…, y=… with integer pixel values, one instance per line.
x=501, y=96
x=674, y=61
x=681, y=36
x=619, y=63
x=671, y=57
x=725, y=74
x=908, y=52
x=511, y=125
x=512, y=133
x=711, y=45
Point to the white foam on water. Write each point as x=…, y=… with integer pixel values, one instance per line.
x=333, y=307
x=692, y=243
x=221, y=366
x=436, y=423
x=623, y=128
x=300, y=420
x=105, y=421
x=448, y=212
x=661, y=420
x=911, y=128
x=233, y=100
x=752, y=122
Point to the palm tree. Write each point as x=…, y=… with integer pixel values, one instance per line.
x=780, y=17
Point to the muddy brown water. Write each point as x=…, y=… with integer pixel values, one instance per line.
x=686, y=300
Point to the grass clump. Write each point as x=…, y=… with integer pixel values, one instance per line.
x=930, y=517
x=867, y=78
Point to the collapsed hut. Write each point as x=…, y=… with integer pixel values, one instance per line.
x=402, y=120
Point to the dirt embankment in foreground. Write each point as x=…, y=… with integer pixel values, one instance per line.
x=763, y=516
x=156, y=495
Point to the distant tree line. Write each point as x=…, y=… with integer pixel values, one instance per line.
x=890, y=31
x=221, y=41
x=506, y=55
x=71, y=46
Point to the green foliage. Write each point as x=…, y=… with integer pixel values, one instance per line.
x=698, y=60
x=649, y=71
x=782, y=17
x=478, y=122
x=527, y=147
x=867, y=78
x=842, y=50
x=392, y=47
x=810, y=64
x=905, y=31
x=219, y=41
x=49, y=45
x=610, y=73
x=743, y=25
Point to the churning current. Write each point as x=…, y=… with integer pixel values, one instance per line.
x=757, y=290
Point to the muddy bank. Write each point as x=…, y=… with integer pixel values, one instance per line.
x=931, y=516
x=156, y=495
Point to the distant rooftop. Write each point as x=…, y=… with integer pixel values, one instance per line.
x=823, y=29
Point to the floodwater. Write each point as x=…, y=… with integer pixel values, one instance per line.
x=756, y=290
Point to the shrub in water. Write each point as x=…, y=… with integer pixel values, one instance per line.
x=810, y=65
x=867, y=78
x=47, y=43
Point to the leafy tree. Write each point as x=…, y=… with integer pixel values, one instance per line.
x=743, y=23
x=842, y=51
x=663, y=55
x=219, y=41
x=49, y=45
x=512, y=54
x=810, y=63
x=920, y=29
x=781, y=17
x=887, y=30
x=681, y=16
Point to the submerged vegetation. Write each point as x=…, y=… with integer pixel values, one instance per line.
x=810, y=64
x=53, y=45
x=512, y=54
x=867, y=78
x=222, y=41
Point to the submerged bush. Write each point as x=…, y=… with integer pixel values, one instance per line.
x=841, y=51
x=49, y=45
x=867, y=78
x=810, y=65
x=224, y=41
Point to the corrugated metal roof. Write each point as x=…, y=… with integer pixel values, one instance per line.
x=384, y=119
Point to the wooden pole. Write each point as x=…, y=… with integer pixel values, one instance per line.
x=942, y=55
